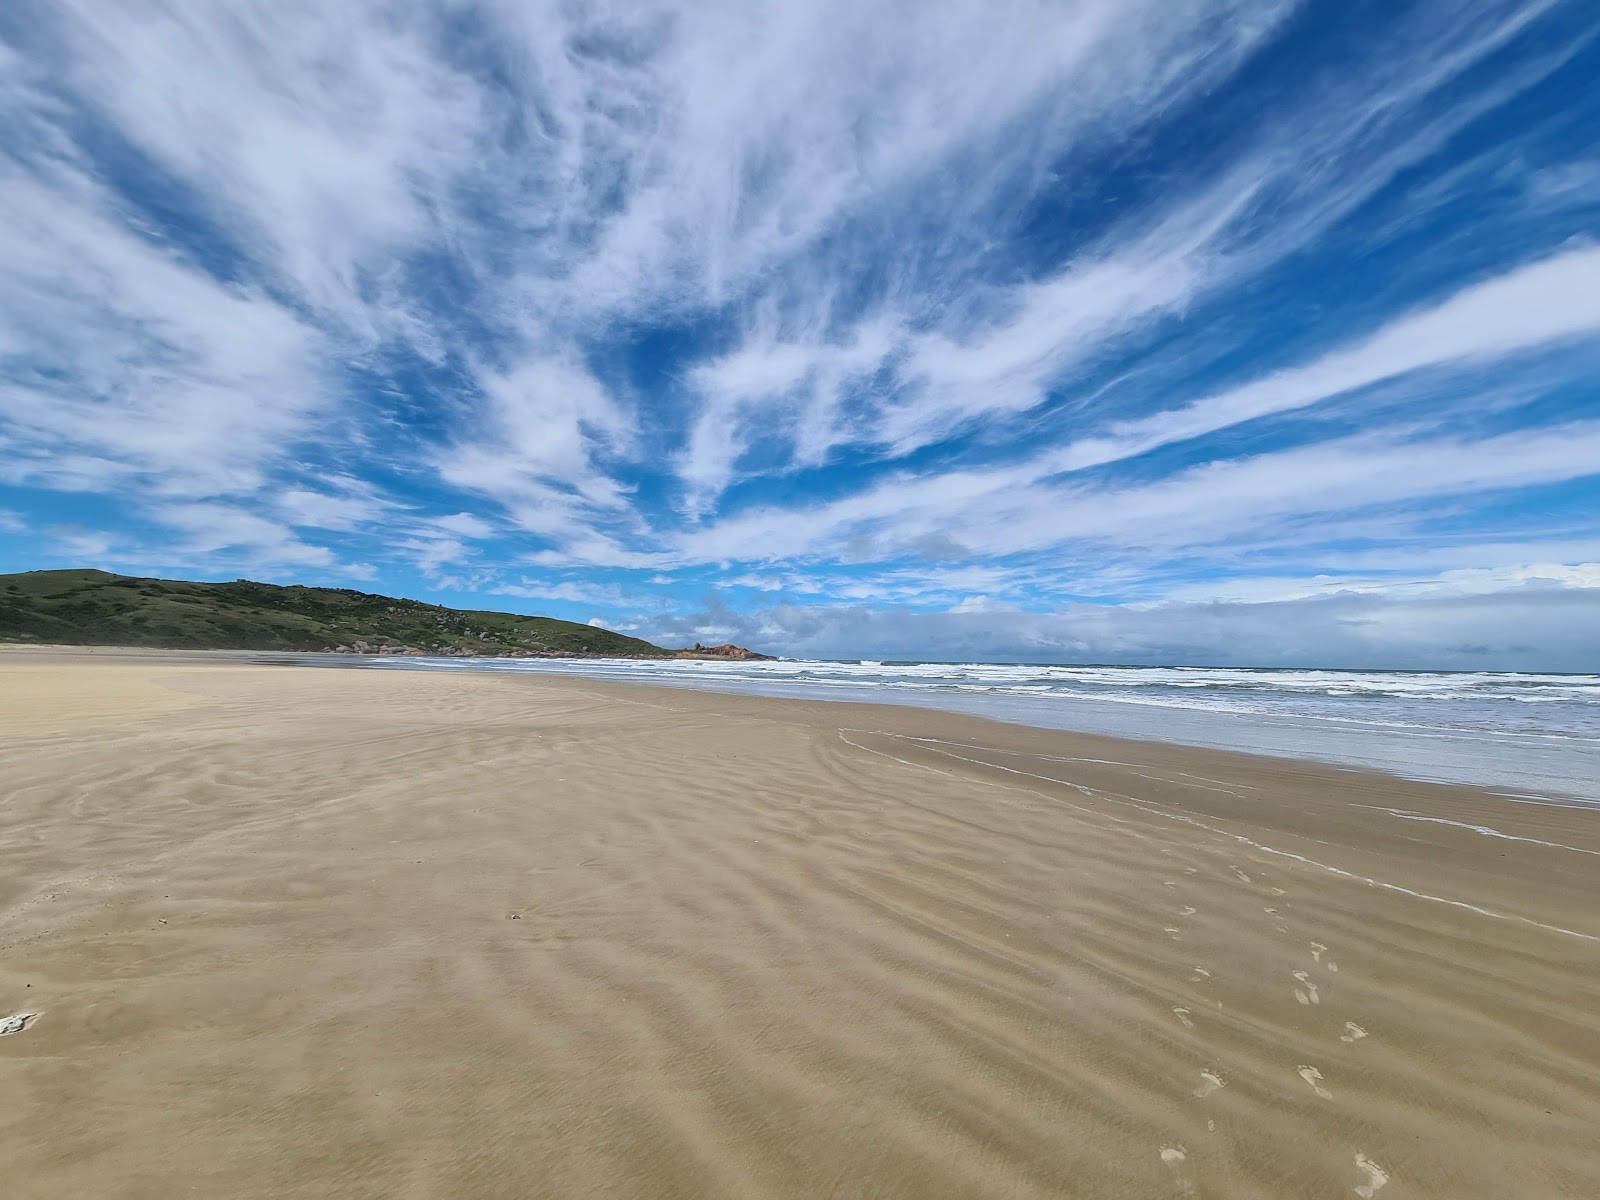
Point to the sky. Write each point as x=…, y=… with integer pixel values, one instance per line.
x=1205, y=331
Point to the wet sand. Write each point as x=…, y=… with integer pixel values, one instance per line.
x=293, y=932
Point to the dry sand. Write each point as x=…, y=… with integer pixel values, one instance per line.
x=295, y=932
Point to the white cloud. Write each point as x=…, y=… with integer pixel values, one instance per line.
x=86, y=547
x=135, y=367
x=981, y=604
x=542, y=428
x=1521, y=310
x=1464, y=581
x=309, y=249
x=959, y=348
x=812, y=379
x=1520, y=629
x=736, y=134
x=1458, y=555
x=429, y=554
x=1499, y=579
x=1253, y=496
x=1045, y=327
x=1530, y=307
x=317, y=135
x=463, y=524
x=208, y=529
x=1524, y=309
x=322, y=510
x=598, y=594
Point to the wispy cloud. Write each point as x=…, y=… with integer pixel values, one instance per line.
x=1525, y=309
x=1538, y=628
x=135, y=368
x=1140, y=300
x=212, y=528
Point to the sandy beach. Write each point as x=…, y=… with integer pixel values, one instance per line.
x=298, y=932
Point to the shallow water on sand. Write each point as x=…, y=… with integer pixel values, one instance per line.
x=1534, y=736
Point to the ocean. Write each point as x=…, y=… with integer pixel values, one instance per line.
x=1528, y=737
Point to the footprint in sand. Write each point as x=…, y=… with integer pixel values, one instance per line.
x=1314, y=1077
x=1376, y=1177
x=1174, y=1157
x=1243, y=878
x=1199, y=974
x=1279, y=892
x=1210, y=1082
x=1183, y=1015
x=1309, y=995
x=1173, y=933
x=1352, y=1032
x=1169, y=883
x=1317, y=951
x=1186, y=911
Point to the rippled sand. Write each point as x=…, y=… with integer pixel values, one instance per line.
x=293, y=932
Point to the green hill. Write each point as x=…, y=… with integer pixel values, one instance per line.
x=96, y=608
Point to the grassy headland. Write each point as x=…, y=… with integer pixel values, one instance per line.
x=97, y=608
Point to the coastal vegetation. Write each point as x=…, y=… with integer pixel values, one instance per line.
x=97, y=608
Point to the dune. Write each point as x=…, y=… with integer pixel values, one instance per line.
x=292, y=932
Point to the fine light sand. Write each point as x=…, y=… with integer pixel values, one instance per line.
x=292, y=932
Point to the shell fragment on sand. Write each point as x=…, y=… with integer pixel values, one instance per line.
x=16, y=1022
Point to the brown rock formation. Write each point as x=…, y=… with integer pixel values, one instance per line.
x=726, y=652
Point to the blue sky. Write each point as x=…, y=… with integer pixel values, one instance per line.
x=1140, y=330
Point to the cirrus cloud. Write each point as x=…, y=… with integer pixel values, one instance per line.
x=1120, y=304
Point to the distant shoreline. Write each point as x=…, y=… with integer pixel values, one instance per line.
x=1556, y=773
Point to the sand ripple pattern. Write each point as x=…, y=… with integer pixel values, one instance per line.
x=363, y=934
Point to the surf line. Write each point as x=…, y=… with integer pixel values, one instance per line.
x=1109, y=762
x=1157, y=810
x=1485, y=830
x=1056, y=800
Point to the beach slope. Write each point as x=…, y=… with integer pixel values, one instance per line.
x=290, y=932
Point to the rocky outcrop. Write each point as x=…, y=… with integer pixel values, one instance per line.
x=727, y=652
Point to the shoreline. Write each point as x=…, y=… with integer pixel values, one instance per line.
x=368, y=933
x=1474, y=762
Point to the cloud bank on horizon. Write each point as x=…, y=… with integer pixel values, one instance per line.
x=1140, y=330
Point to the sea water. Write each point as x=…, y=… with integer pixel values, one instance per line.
x=1529, y=737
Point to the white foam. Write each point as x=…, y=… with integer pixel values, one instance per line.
x=1484, y=830
x=1473, y=727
